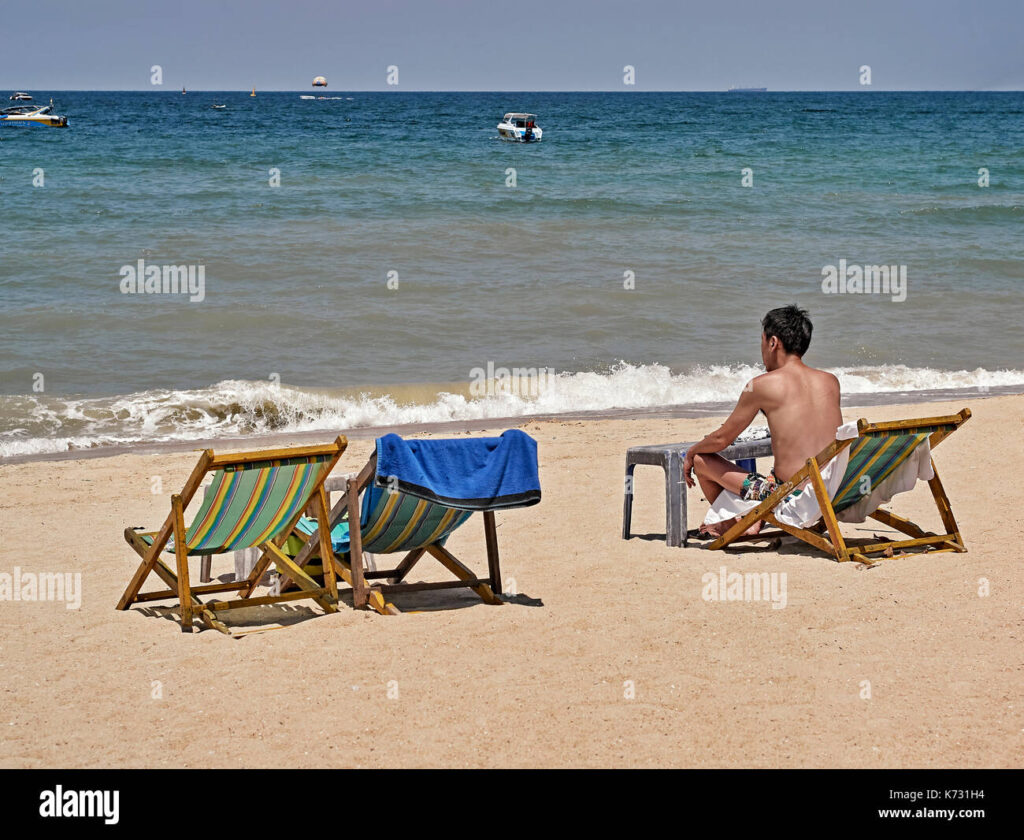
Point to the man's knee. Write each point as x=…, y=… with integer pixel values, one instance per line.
x=700, y=463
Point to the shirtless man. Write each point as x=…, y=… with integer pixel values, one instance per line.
x=800, y=403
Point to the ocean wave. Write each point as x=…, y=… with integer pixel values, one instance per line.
x=36, y=424
x=979, y=212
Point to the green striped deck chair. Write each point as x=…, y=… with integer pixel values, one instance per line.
x=875, y=454
x=254, y=500
x=392, y=522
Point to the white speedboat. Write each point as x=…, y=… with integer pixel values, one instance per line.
x=20, y=96
x=32, y=115
x=520, y=128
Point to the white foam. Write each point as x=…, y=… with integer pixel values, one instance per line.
x=237, y=408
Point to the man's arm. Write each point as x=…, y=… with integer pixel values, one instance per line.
x=742, y=415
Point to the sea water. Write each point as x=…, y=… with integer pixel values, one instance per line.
x=363, y=256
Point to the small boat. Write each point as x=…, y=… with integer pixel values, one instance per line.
x=217, y=107
x=520, y=128
x=182, y=90
x=306, y=96
x=32, y=115
x=20, y=96
x=253, y=92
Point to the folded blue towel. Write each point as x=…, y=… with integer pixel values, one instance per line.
x=467, y=474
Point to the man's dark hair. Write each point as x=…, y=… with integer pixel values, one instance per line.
x=791, y=326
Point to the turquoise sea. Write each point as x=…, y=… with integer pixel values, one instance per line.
x=406, y=245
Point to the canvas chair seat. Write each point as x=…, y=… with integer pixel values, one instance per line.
x=385, y=521
x=254, y=501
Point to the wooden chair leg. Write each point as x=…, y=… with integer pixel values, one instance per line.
x=945, y=508
x=493, y=563
x=181, y=554
x=355, y=537
x=326, y=546
x=827, y=513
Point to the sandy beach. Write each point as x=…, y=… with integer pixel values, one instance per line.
x=607, y=655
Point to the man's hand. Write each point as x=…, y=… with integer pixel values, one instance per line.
x=688, y=468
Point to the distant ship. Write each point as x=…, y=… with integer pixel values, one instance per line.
x=747, y=90
x=182, y=90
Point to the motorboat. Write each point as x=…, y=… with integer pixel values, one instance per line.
x=20, y=96
x=520, y=128
x=217, y=107
x=32, y=115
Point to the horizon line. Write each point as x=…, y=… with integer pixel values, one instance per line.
x=174, y=90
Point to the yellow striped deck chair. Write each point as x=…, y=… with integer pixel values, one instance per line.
x=875, y=454
x=254, y=501
x=389, y=522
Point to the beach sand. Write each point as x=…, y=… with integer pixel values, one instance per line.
x=541, y=681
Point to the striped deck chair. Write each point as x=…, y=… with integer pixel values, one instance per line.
x=875, y=454
x=254, y=501
x=390, y=522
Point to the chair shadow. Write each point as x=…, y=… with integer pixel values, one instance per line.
x=271, y=616
x=788, y=545
x=441, y=600
x=780, y=543
x=267, y=616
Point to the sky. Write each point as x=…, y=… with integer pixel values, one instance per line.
x=515, y=45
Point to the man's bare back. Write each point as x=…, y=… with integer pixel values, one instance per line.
x=800, y=403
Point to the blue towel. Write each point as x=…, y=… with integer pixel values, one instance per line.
x=467, y=474
x=339, y=534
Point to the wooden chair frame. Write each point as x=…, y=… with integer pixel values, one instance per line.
x=354, y=573
x=191, y=606
x=828, y=536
